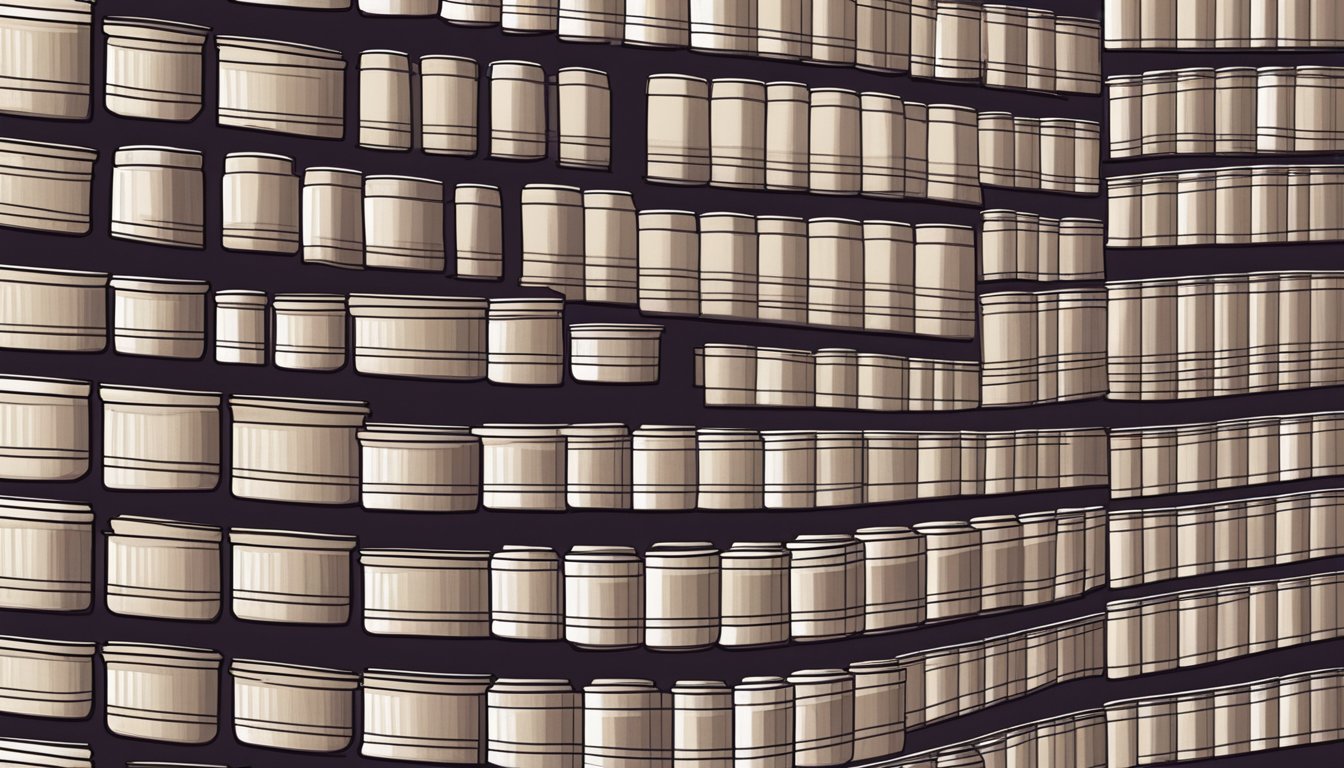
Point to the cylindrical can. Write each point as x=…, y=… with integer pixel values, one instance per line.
x=385, y=102
x=162, y=692
x=310, y=331
x=952, y=554
x=678, y=130
x=448, y=105
x=682, y=594
x=823, y=721
x=787, y=107
x=894, y=578
x=480, y=232
x=834, y=145
x=610, y=247
x=160, y=439
x=763, y=723
x=286, y=706
x=522, y=466
x=431, y=337
x=669, y=263
x=52, y=542
x=755, y=596
x=271, y=85
x=416, y=468
x=333, y=217
x=731, y=469
x=55, y=84
x=158, y=196
x=584, y=104
x=728, y=265
x=612, y=353
x=525, y=596
x=291, y=577
x=54, y=310
x=553, y=239
x=737, y=130
x=153, y=68
x=159, y=316
x=163, y=569
x=261, y=203
x=826, y=582
x=702, y=724
x=598, y=462
x=426, y=592
x=534, y=724
x=665, y=472
x=604, y=597
x=296, y=450
x=403, y=223
x=517, y=110
x=626, y=723
x=424, y=716
x=46, y=678
x=526, y=341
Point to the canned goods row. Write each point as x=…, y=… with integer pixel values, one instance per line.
x=1217, y=335
x=1230, y=110
x=1233, y=453
x=737, y=375
x=1234, y=24
x=676, y=596
x=1047, y=347
x=170, y=694
x=784, y=136
x=880, y=276
x=1226, y=206
x=1015, y=245
x=307, y=451
x=1203, y=725
x=1194, y=627
x=1158, y=544
x=1000, y=46
x=813, y=718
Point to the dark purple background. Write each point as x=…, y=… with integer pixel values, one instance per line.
x=675, y=401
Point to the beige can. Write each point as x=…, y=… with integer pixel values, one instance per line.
x=385, y=101
x=954, y=159
x=837, y=372
x=153, y=68
x=890, y=465
x=737, y=132
x=54, y=310
x=448, y=105
x=44, y=426
x=604, y=597
x=839, y=474
x=240, y=327
x=787, y=107
x=835, y=273
x=610, y=247
x=261, y=203
x=286, y=706
x=669, y=263
x=790, y=468
x=526, y=341
x=426, y=592
x=45, y=70
x=682, y=594
x=45, y=187
x=882, y=131
x=534, y=724
x=953, y=568
x=782, y=269
x=728, y=373
x=597, y=461
x=423, y=337
x=678, y=144
x=614, y=353
x=164, y=569
x=702, y=724
x=879, y=708
x=731, y=469
x=517, y=110
x=525, y=593
x=888, y=276
x=583, y=99
x=755, y=595
x=424, y=716
x=785, y=377
x=158, y=196
x=471, y=13
x=664, y=467
x=159, y=316
x=626, y=724
x=893, y=577
x=826, y=587
x=403, y=223
x=763, y=723
x=280, y=87
x=823, y=717
x=418, y=468
x=310, y=331
x=480, y=232
x=162, y=692
x=834, y=146
x=160, y=439
x=522, y=466
x=655, y=23
x=728, y=265
x=553, y=239
x=296, y=450
x=45, y=678
x=52, y=563
x=333, y=217
x=291, y=577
